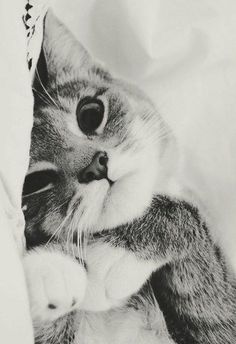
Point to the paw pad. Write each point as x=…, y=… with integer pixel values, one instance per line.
x=52, y=306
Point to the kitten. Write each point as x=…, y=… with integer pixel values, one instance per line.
x=99, y=156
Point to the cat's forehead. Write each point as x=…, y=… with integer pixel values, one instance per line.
x=70, y=93
x=75, y=90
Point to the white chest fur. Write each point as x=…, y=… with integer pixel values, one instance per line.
x=123, y=326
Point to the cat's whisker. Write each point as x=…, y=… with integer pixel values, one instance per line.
x=41, y=219
x=87, y=235
x=59, y=228
x=57, y=92
x=49, y=96
x=82, y=240
x=43, y=97
x=70, y=236
x=56, y=233
x=74, y=224
x=163, y=133
x=80, y=245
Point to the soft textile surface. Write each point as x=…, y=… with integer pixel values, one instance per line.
x=15, y=125
x=16, y=120
x=183, y=53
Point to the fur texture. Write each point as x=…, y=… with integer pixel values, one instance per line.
x=101, y=241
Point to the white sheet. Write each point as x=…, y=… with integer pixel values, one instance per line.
x=16, y=120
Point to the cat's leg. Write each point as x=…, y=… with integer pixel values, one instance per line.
x=113, y=276
x=56, y=283
x=195, y=290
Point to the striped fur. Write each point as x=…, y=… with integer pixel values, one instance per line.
x=147, y=268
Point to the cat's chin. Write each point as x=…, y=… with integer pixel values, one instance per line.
x=127, y=199
x=105, y=205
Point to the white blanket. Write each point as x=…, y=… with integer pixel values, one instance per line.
x=16, y=117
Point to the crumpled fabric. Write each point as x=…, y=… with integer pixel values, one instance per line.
x=16, y=118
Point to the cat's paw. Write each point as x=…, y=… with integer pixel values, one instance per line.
x=56, y=284
x=114, y=274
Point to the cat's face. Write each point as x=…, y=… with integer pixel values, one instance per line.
x=96, y=145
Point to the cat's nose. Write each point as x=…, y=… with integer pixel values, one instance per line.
x=96, y=170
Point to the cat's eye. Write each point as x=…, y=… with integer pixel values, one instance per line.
x=39, y=181
x=90, y=115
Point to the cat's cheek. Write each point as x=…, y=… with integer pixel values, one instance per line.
x=128, y=199
x=56, y=284
x=91, y=206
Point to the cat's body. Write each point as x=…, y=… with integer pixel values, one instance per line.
x=143, y=324
x=98, y=189
x=195, y=290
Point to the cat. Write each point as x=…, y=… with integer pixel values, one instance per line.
x=149, y=271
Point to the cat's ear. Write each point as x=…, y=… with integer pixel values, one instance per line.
x=63, y=53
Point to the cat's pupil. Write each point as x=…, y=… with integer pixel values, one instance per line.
x=38, y=180
x=90, y=114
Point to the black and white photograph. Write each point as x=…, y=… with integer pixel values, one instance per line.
x=118, y=172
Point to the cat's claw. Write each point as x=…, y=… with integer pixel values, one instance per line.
x=56, y=284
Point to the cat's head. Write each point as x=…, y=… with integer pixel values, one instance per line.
x=97, y=144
